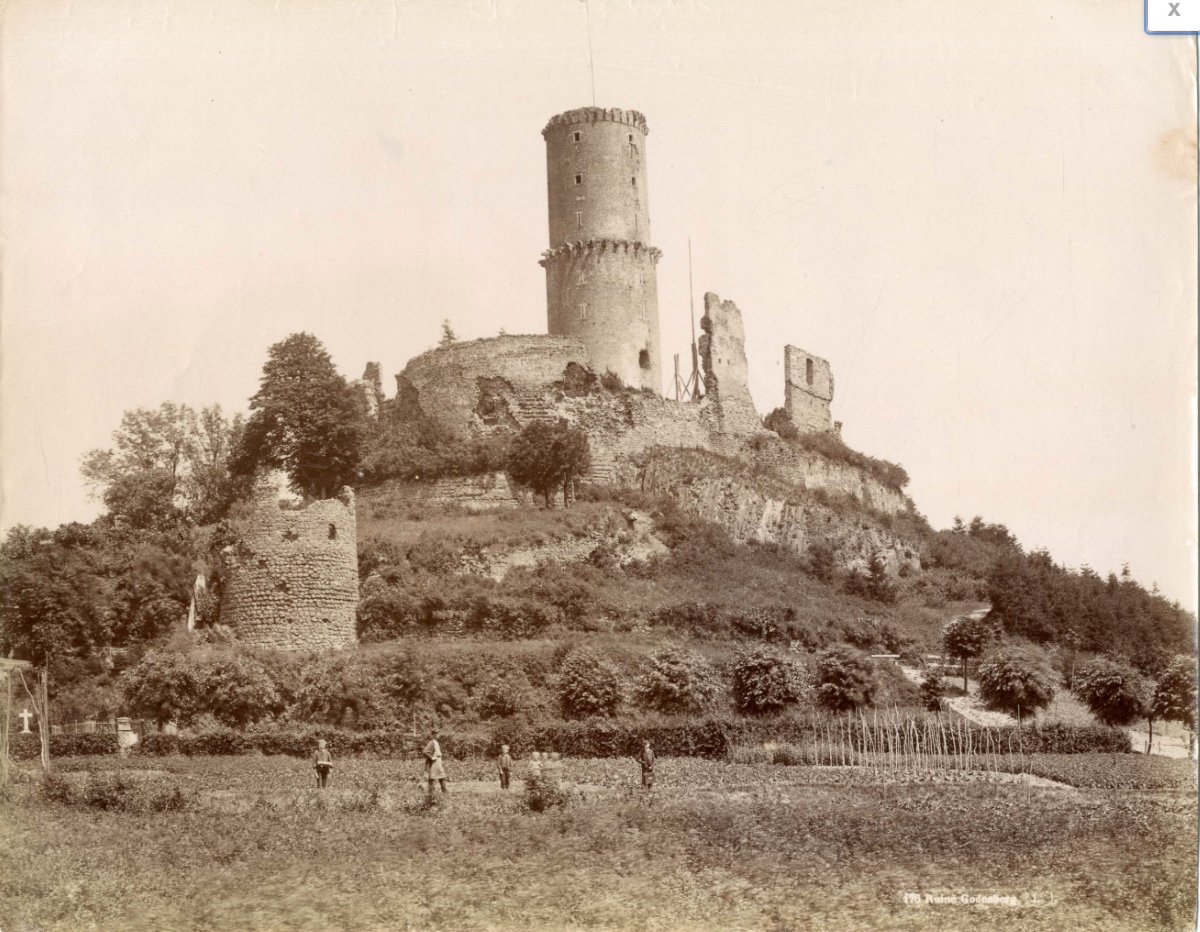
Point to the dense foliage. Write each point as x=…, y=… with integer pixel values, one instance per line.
x=678, y=680
x=1113, y=692
x=965, y=638
x=306, y=420
x=766, y=682
x=844, y=679
x=589, y=685
x=547, y=457
x=1016, y=680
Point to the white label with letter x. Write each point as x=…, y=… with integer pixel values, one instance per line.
x=1172, y=16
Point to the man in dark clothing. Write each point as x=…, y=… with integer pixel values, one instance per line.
x=323, y=763
x=646, y=759
x=504, y=766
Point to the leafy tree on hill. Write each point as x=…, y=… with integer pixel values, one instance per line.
x=678, y=680
x=167, y=467
x=588, y=685
x=1174, y=697
x=178, y=686
x=549, y=456
x=307, y=420
x=965, y=638
x=844, y=680
x=765, y=682
x=1113, y=692
x=1017, y=681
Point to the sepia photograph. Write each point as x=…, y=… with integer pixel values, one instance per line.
x=487, y=465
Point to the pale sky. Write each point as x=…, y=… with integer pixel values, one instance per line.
x=983, y=214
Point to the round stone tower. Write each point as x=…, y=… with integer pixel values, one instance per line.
x=600, y=279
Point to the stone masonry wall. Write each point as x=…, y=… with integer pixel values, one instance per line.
x=291, y=581
x=808, y=390
x=723, y=355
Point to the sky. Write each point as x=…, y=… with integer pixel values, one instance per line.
x=984, y=216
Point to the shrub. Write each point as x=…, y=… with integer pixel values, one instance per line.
x=1113, y=692
x=779, y=422
x=933, y=688
x=543, y=792
x=611, y=381
x=1175, y=692
x=821, y=561
x=844, y=680
x=179, y=686
x=28, y=747
x=678, y=680
x=1017, y=681
x=588, y=685
x=966, y=637
x=764, y=682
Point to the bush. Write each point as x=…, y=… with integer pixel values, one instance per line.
x=1016, y=681
x=933, y=688
x=588, y=685
x=1113, y=692
x=678, y=680
x=28, y=747
x=179, y=686
x=707, y=738
x=844, y=680
x=543, y=792
x=764, y=682
x=115, y=791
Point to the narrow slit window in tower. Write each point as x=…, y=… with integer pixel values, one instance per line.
x=808, y=371
x=579, y=179
x=582, y=279
x=644, y=359
x=579, y=219
x=633, y=181
x=332, y=531
x=575, y=137
x=583, y=310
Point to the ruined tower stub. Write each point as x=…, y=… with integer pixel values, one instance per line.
x=807, y=390
x=291, y=581
x=600, y=268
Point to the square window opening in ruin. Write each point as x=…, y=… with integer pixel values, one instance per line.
x=579, y=179
x=808, y=371
x=631, y=137
x=633, y=181
x=332, y=531
x=575, y=137
x=644, y=359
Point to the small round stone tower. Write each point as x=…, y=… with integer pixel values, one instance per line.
x=291, y=581
x=600, y=279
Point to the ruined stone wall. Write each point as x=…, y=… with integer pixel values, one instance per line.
x=466, y=386
x=808, y=390
x=291, y=581
x=723, y=355
x=472, y=493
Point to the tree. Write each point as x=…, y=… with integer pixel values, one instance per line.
x=548, y=456
x=307, y=420
x=1016, y=681
x=1174, y=696
x=779, y=422
x=844, y=680
x=933, y=688
x=588, y=685
x=177, y=686
x=448, y=335
x=167, y=466
x=821, y=561
x=678, y=680
x=880, y=587
x=965, y=638
x=1113, y=692
x=764, y=682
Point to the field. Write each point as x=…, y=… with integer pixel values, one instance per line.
x=248, y=843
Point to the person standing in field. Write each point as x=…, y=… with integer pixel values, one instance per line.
x=504, y=767
x=323, y=763
x=646, y=759
x=434, y=771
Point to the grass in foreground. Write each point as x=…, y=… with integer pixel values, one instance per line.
x=718, y=846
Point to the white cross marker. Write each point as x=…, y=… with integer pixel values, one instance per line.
x=25, y=715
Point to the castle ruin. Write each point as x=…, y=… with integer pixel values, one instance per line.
x=601, y=287
x=291, y=581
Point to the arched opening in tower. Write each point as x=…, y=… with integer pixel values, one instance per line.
x=644, y=359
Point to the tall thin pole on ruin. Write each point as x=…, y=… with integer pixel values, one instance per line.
x=692, y=390
x=587, y=8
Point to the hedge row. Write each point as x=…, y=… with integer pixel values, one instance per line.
x=29, y=747
x=707, y=738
